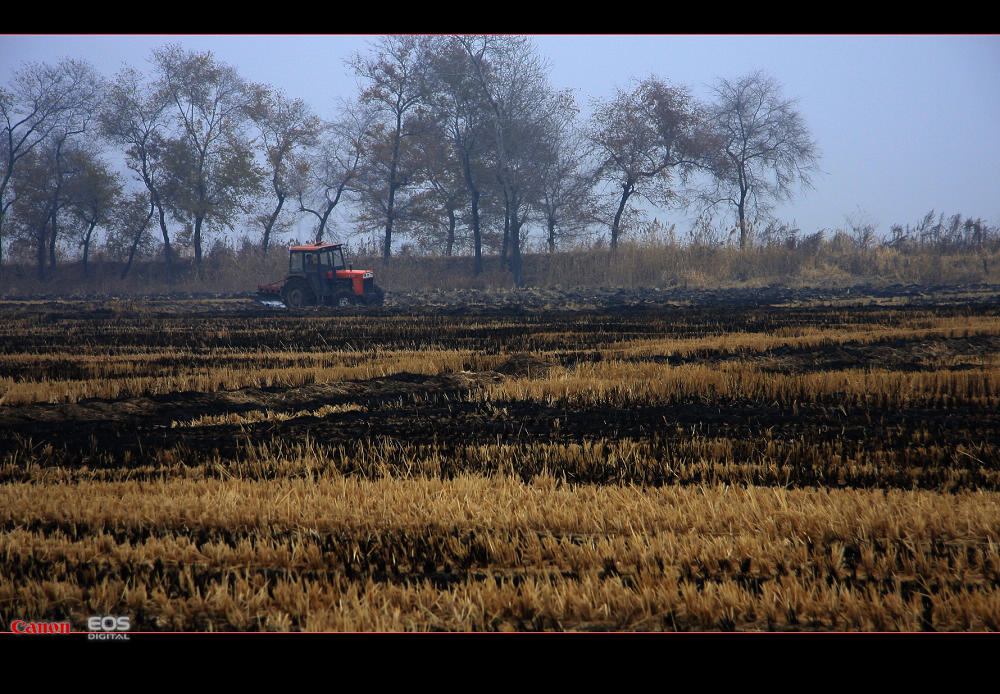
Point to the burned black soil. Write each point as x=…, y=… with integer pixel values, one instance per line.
x=513, y=302
x=809, y=443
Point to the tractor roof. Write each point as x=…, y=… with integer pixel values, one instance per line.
x=315, y=246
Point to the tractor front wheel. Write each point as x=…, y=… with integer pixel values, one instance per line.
x=343, y=299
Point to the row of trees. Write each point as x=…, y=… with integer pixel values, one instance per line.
x=457, y=143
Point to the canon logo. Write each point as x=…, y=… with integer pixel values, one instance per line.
x=21, y=627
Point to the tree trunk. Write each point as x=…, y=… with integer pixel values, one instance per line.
x=477, y=238
x=42, y=237
x=136, y=239
x=552, y=235
x=166, y=244
x=4, y=205
x=52, y=241
x=54, y=210
x=616, y=225
x=322, y=222
x=154, y=201
x=451, y=232
x=390, y=211
x=515, y=250
x=741, y=211
x=506, y=233
x=269, y=224
x=86, y=249
x=321, y=227
x=330, y=205
x=53, y=217
x=387, y=249
x=390, y=208
x=197, y=246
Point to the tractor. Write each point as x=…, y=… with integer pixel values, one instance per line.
x=317, y=275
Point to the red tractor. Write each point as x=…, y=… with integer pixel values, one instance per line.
x=317, y=275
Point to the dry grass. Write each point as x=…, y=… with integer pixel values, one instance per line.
x=520, y=554
x=753, y=486
x=824, y=259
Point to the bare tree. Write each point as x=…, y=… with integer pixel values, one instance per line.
x=391, y=82
x=513, y=84
x=213, y=174
x=134, y=117
x=128, y=227
x=334, y=164
x=455, y=94
x=52, y=184
x=287, y=128
x=92, y=193
x=58, y=153
x=41, y=101
x=765, y=148
x=70, y=161
x=436, y=211
x=31, y=208
x=565, y=201
x=641, y=138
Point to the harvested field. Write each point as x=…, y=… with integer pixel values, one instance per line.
x=652, y=460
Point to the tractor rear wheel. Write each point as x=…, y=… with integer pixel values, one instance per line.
x=297, y=294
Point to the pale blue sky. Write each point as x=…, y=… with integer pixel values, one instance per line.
x=904, y=123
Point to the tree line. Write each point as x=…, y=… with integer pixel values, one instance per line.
x=456, y=144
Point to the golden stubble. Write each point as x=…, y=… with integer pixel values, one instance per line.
x=289, y=553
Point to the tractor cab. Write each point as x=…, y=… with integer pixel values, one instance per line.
x=316, y=258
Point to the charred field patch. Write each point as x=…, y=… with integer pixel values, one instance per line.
x=768, y=460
